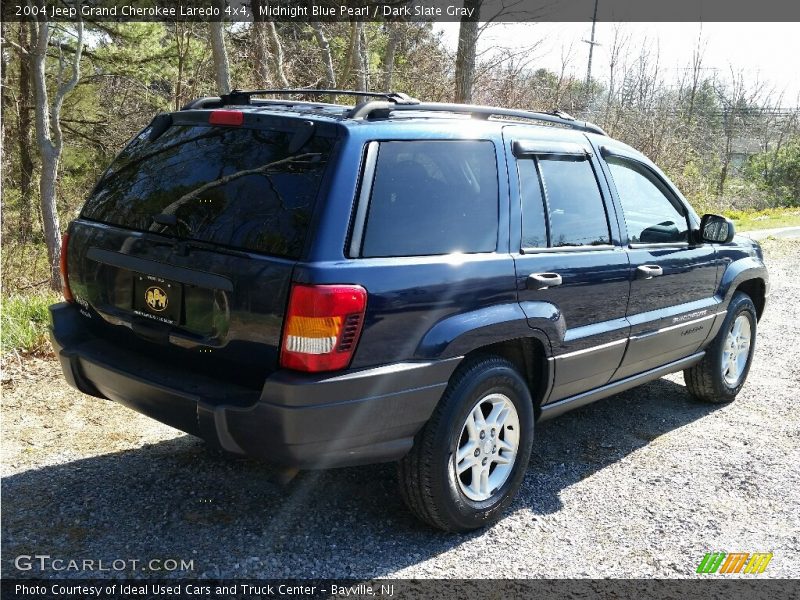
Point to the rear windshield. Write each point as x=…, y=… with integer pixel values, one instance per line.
x=232, y=186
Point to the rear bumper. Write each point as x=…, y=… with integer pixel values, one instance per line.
x=306, y=421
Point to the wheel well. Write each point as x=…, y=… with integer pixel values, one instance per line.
x=528, y=356
x=755, y=289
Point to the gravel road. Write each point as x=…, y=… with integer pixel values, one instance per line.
x=638, y=485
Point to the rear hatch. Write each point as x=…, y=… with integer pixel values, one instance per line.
x=184, y=251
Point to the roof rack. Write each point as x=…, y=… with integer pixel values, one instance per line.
x=391, y=102
x=382, y=110
x=243, y=96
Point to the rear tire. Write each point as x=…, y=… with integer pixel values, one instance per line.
x=468, y=462
x=719, y=377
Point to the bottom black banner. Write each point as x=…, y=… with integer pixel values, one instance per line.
x=489, y=589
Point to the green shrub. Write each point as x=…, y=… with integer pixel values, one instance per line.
x=24, y=320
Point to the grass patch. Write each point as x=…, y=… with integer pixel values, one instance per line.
x=764, y=219
x=23, y=322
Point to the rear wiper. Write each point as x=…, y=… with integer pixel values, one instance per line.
x=166, y=219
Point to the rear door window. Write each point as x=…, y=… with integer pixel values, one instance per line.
x=232, y=186
x=561, y=203
x=577, y=213
x=432, y=197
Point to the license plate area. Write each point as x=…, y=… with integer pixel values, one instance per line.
x=157, y=298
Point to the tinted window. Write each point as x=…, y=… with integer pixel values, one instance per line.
x=534, y=226
x=577, y=213
x=432, y=197
x=227, y=185
x=651, y=214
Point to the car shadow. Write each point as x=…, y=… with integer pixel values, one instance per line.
x=233, y=518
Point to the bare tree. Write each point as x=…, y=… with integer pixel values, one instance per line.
x=222, y=71
x=465, y=55
x=327, y=57
x=261, y=54
x=388, y=55
x=738, y=99
x=616, y=52
x=277, y=54
x=25, y=104
x=48, y=133
x=363, y=59
x=566, y=58
x=352, y=52
x=183, y=38
x=260, y=44
x=696, y=70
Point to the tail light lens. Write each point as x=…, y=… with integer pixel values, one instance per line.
x=63, y=267
x=323, y=324
x=231, y=118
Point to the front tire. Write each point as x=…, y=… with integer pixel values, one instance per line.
x=469, y=460
x=719, y=377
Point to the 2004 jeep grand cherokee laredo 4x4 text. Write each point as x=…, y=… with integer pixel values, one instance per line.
x=322, y=285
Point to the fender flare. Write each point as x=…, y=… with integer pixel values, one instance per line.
x=462, y=333
x=739, y=271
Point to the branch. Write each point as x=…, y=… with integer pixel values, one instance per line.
x=228, y=178
x=91, y=140
x=66, y=87
x=7, y=42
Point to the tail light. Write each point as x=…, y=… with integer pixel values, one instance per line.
x=323, y=324
x=232, y=118
x=63, y=267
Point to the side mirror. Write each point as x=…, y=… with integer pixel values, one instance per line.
x=716, y=229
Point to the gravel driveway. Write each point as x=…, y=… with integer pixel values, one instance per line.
x=642, y=484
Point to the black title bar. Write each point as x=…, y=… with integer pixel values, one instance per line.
x=401, y=10
x=735, y=588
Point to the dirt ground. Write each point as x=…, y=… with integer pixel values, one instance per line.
x=642, y=484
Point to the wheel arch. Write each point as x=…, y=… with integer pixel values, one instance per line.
x=529, y=355
x=748, y=275
x=756, y=289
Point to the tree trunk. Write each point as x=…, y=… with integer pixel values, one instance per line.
x=327, y=58
x=352, y=52
x=261, y=54
x=49, y=138
x=363, y=59
x=277, y=54
x=50, y=221
x=179, y=46
x=388, y=56
x=25, y=104
x=222, y=71
x=465, y=56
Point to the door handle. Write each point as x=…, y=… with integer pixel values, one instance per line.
x=648, y=271
x=542, y=281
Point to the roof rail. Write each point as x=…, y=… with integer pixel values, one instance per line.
x=243, y=96
x=378, y=109
x=204, y=102
x=391, y=102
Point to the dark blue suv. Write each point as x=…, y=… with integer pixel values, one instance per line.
x=322, y=285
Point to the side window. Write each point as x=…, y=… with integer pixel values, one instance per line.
x=575, y=206
x=534, y=225
x=652, y=216
x=432, y=197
